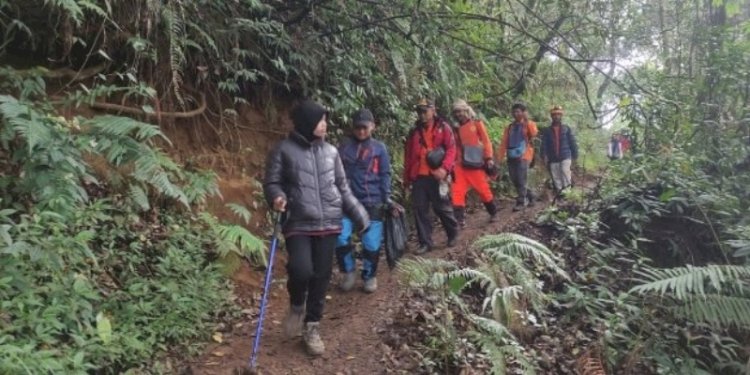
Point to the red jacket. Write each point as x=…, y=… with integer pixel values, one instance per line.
x=442, y=136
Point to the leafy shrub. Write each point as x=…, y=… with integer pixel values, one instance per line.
x=103, y=277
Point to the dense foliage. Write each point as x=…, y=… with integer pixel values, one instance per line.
x=106, y=260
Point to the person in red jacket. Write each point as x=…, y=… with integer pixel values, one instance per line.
x=474, y=155
x=428, y=160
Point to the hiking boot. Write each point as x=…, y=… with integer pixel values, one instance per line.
x=491, y=210
x=371, y=285
x=313, y=342
x=422, y=249
x=518, y=207
x=293, y=321
x=347, y=283
x=460, y=213
x=451, y=242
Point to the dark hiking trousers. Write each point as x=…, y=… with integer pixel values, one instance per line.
x=425, y=192
x=518, y=169
x=309, y=271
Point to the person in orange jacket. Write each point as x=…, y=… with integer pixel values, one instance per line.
x=518, y=149
x=474, y=155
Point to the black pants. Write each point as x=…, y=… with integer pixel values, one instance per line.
x=425, y=192
x=309, y=269
x=518, y=170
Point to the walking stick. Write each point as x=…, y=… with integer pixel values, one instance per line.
x=252, y=369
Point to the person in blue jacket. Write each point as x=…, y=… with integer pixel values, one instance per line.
x=559, y=150
x=368, y=169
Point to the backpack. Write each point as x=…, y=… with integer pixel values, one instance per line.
x=615, y=150
x=516, y=141
x=472, y=156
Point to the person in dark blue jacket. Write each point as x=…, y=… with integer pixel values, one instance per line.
x=368, y=169
x=559, y=150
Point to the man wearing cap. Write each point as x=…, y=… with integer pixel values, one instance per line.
x=428, y=160
x=558, y=148
x=474, y=156
x=517, y=148
x=368, y=168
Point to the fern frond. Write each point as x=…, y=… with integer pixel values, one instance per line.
x=424, y=272
x=26, y=122
x=173, y=16
x=520, y=247
x=139, y=197
x=241, y=211
x=497, y=330
x=247, y=243
x=204, y=35
x=119, y=126
x=200, y=185
x=717, y=310
x=500, y=355
x=486, y=280
x=685, y=282
x=148, y=169
x=71, y=7
x=501, y=301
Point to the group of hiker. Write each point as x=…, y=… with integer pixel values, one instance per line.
x=328, y=194
x=618, y=145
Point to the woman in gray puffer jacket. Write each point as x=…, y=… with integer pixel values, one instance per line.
x=305, y=179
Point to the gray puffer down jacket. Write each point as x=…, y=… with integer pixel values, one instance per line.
x=311, y=177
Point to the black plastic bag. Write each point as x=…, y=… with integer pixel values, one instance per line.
x=396, y=235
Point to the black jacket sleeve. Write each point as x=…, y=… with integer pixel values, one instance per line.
x=573, y=144
x=273, y=182
x=352, y=207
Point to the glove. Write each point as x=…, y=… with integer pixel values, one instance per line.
x=490, y=168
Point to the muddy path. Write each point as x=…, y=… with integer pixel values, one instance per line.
x=354, y=322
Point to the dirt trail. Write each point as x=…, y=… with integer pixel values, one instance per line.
x=353, y=322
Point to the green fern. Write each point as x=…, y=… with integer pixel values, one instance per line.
x=520, y=247
x=72, y=7
x=119, y=126
x=26, y=122
x=424, y=272
x=173, y=16
x=717, y=310
x=150, y=168
x=245, y=243
x=198, y=186
x=684, y=283
x=139, y=197
x=500, y=345
x=241, y=212
x=493, y=329
x=713, y=294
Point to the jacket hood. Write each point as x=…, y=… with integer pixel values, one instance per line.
x=306, y=116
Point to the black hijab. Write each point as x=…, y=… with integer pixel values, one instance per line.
x=306, y=116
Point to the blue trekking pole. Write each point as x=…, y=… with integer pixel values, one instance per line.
x=264, y=299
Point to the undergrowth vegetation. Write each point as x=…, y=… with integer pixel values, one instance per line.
x=107, y=262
